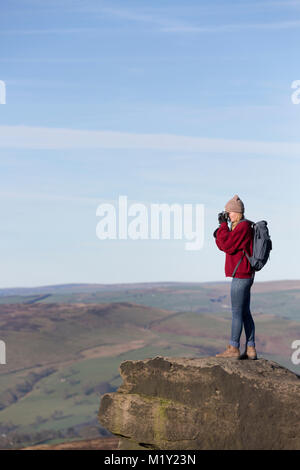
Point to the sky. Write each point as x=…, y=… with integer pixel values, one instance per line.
x=164, y=102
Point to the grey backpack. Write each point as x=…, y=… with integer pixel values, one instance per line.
x=262, y=245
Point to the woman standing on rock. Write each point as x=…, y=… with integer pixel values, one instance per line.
x=233, y=241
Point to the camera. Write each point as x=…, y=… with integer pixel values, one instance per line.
x=225, y=215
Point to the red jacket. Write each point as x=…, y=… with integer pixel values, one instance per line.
x=232, y=243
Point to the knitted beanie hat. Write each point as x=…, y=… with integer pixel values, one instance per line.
x=235, y=205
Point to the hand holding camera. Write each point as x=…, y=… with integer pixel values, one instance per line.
x=223, y=217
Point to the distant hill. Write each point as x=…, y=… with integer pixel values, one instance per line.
x=266, y=286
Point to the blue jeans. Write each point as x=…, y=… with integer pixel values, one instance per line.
x=241, y=315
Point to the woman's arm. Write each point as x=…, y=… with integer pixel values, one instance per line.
x=231, y=241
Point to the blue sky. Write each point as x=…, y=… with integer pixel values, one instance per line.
x=162, y=101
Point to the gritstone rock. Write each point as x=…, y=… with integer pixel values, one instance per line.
x=204, y=403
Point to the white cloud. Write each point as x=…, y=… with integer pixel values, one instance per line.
x=229, y=28
x=38, y=196
x=163, y=26
x=26, y=137
x=48, y=31
x=159, y=18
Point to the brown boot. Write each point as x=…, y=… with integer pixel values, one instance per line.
x=249, y=353
x=231, y=351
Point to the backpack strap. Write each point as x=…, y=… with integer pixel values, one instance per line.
x=235, y=269
x=233, y=274
x=244, y=253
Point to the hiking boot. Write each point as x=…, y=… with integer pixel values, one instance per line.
x=249, y=353
x=231, y=351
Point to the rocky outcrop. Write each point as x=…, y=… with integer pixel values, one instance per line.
x=204, y=403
